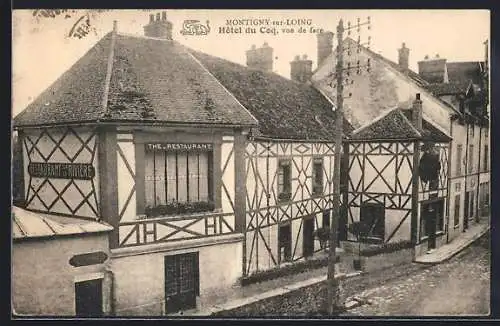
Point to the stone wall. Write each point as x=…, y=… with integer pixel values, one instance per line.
x=306, y=301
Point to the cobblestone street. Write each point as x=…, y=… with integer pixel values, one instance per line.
x=460, y=286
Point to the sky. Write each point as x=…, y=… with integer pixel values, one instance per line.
x=42, y=50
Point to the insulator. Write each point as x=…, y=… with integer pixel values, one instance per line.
x=359, y=20
x=352, y=82
x=359, y=71
x=357, y=63
x=359, y=40
x=350, y=94
x=368, y=69
x=349, y=52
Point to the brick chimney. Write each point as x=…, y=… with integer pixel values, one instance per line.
x=433, y=70
x=301, y=69
x=325, y=46
x=416, y=112
x=260, y=58
x=404, y=56
x=159, y=27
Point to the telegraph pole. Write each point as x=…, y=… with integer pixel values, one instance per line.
x=333, y=302
x=333, y=286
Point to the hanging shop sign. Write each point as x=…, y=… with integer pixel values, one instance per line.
x=79, y=171
x=181, y=147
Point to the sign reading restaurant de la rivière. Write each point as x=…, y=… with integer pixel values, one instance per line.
x=182, y=147
x=79, y=171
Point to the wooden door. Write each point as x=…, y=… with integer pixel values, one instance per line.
x=88, y=298
x=431, y=216
x=466, y=211
x=308, y=237
x=285, y=242
x=181, y=282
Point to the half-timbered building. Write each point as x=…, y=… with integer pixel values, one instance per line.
x=206, y=170
x=288, y=161
x=388, y=188
x=387, y=85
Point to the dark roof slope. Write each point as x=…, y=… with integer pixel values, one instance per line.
x=429, y=132
x=394, y=125
x=162, y=76
x=76, y=95
x=152, y=80
x=285, y=109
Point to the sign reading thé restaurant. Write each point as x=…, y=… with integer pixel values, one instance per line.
x=182, y=147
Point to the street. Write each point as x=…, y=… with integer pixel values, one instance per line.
x=460, y=286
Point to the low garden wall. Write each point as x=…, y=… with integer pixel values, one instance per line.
x=319, y=261
x=375, y=257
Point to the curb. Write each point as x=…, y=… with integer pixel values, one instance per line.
x=456, y=252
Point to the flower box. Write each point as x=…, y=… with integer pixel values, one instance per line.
x=177, y=208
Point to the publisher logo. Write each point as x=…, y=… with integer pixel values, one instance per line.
x=195, y=27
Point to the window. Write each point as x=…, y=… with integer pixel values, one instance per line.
x=459, y=160
x=485, y=158
x=177, y=181
x=373, y=216
x=456, y=216
x=285, y=242
x=284, y=180
x=326, y=219
x=317, y=177
x=471, y=158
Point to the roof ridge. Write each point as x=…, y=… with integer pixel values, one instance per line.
x=409, y=122
x=109, y=72
x=374, y=120
x=186, y=49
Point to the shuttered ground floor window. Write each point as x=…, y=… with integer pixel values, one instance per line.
x=178, y=180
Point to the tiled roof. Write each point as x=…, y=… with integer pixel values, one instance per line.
x=27, y=224
x=159, y=80
x=440, y=89
x=429, y=132
x=152, y=80
x=391, y=125
x=396, y=124
x=285, y=109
